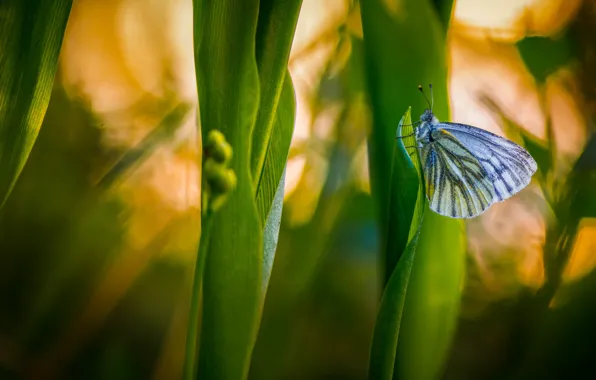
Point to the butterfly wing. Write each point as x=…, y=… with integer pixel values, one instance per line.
x=457, y=185
x=509, y=166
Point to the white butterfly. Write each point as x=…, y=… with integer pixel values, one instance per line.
x=467, y=169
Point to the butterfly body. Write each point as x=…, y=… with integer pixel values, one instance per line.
x=467, y=169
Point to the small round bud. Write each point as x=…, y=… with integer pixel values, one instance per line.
x=214, y=138
x=211, y=169
x=217, y=147
x=222, y=153
x=223, y=182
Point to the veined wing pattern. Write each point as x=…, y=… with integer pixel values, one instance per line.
x=509, y=166
x=457, y=185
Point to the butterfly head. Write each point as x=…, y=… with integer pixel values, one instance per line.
x=428, y=117
x=425, y=130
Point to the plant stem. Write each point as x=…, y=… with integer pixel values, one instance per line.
x=192, y=333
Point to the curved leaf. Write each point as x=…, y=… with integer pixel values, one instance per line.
x=277, y=150
x=275, y=33
x=387, y=327
x=31, y=33
x=270, y=190
x=274, y=125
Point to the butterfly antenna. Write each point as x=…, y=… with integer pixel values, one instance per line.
x=432, y=98
x=423, y=94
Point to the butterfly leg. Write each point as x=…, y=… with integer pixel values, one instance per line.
x=412, y=125
x=410, y=153
x=404, y=136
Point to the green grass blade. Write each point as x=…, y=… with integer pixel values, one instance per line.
x=228, y=85
x=31, y=33
x=387, y=326
x=275, y=33
x=161, y=135
x=404, y=47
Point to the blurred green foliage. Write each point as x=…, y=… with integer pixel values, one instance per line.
x=31, y=33
x=47, y=280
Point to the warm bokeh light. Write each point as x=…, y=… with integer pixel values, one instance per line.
x=314, y=43
x=583, y=256
x=511, y=20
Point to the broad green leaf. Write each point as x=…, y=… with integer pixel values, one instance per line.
x=31, y=33
x=275, y=33
x=228, y=85
x=404, y=45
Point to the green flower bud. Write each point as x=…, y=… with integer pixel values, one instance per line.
x=222, y=184
x=211, y=169
x=219, y=180
x=217, y=147
x=224, y=181
x=214, y=138
x=223, y=153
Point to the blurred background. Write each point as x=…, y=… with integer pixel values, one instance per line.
x=99, y=237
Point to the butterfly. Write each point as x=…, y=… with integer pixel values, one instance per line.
x=467, y=169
